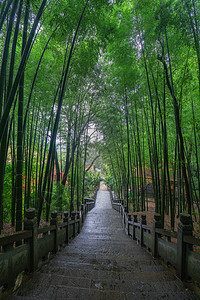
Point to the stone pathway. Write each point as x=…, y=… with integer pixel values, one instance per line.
x=103, y=263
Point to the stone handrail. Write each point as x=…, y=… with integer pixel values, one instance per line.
x=26, y=250
x=156, y=239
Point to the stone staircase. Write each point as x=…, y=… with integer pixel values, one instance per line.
x=103, y=263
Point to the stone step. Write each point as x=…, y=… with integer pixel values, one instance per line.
x=63, y=292
x=158, y=273
x=147, y=282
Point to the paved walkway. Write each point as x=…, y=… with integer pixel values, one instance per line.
x=103, y=263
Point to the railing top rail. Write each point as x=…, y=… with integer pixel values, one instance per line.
x=167, y=233
x=117, y=200
x=89, y=199
x=191, y=240
x=147, y=227
x=61, y=225
x=45, y=229
x=116, y=203
x=15, y=237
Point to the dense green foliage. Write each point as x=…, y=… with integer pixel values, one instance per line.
x=151, y=128
x=128, y=69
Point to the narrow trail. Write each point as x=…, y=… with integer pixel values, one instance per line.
x=103, y=263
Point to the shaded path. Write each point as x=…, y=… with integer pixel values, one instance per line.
x=103, y=263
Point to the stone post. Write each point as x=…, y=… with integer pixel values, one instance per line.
x=79, y=220
x=119, y=208
x=134, y=221
x=73, y=218
x=110, y=195
x=185, y=228
x=157, y=223
x=30, y=223
x=82, y=213
x=129, y=220
x=124, y=219
x=95, y=197
x=86, y=206
x=66, y=220
x=54, y=221
x=142, y=222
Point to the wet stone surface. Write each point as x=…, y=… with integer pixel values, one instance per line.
x=103, y=263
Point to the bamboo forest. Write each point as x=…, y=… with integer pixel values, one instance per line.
x=92, y=91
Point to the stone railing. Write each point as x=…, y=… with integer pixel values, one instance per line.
x=156, y=239
x=28, y=249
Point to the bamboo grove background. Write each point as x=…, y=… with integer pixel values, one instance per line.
x=129, y=70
